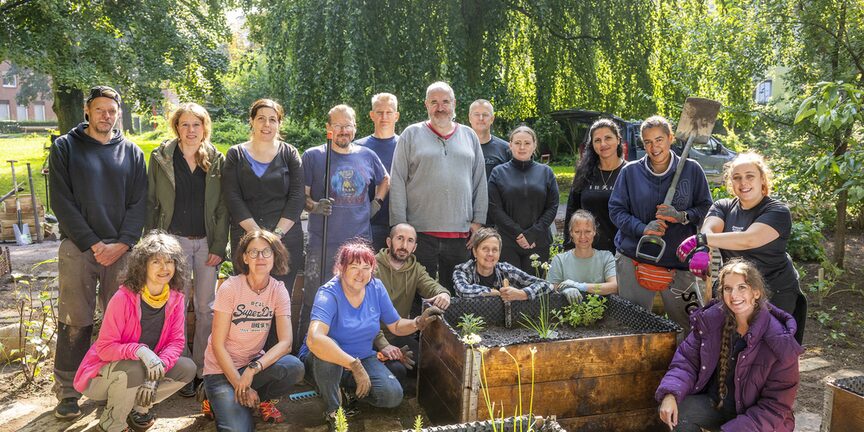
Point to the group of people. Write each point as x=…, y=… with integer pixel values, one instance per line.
x=442, y=209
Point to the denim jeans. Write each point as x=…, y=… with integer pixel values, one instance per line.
x=386, y=391
x=271, y=383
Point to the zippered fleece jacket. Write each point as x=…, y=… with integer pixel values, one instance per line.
x=766, y=376
x=637, y=193
x=437, y=184
x=161, y=195
x=121, y=330
x=98, y=191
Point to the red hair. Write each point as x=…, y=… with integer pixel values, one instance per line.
x=354, y=251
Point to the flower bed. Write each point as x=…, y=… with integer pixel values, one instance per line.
x=600, y=377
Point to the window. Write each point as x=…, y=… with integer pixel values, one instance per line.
x=763, y=92
x=10, y=80
x=4, y=110
x=22, y=113
x=39, y=112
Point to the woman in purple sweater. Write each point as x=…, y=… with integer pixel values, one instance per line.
x=738, y=368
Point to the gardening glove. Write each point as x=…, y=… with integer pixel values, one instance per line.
x=656, y=227
x=376, y=206
x=324, y=206
x=690, y=245
x=427, y=317
x=581, y=286
x=670, y=214
x=700, y=263
x=361, y=378
x=146, y=394
x=407, y=357
x=573, y=295
x=152, y=362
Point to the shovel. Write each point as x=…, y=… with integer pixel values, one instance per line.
x=22, y=230
x=37, y=224
x=696, y=124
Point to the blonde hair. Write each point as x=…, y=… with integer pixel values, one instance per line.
x=344, y=109
x=201, y=156
x=749, y=158
x=387, y=98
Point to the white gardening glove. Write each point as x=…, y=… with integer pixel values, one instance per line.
x=152, y=362
x=146, y=394
x=572, y=290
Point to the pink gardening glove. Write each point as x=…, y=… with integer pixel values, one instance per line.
x=688, y=245
x=700, y=262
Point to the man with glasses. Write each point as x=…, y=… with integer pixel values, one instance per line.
x=354, y=170
x=98, y=186
x=439, y=185
x=496, y=151
x=384, y=115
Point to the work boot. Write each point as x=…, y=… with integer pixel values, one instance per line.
x=190, y=389
x=140, y=422
x=67, y=409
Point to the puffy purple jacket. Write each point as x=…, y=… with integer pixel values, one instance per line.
x=766, y=377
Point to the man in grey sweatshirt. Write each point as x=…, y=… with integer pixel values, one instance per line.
x=438, y=185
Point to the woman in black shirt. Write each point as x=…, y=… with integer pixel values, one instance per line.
x=595, y=178
x=754, y=226
x=523, y=201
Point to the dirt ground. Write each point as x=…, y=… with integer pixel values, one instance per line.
x=834, y=335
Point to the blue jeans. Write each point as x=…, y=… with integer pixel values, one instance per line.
x=386, y=391
x=271, y=383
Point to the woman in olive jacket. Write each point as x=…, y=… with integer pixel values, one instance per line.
x=184, y=198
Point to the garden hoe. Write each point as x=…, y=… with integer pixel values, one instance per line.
x=22, y=230
x=696, y=124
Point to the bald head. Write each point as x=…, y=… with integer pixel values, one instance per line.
x=401, y=242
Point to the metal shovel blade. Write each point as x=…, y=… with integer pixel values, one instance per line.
x=22, y=234
x=697, y=119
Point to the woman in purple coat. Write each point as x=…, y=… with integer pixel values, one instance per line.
x=737, y=370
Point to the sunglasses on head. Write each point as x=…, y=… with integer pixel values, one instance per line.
x=104, y=91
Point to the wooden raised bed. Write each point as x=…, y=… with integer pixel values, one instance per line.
x=598, y=383
x=844, y=407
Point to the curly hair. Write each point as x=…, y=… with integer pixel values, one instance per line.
x=590, y=160
x=281, y=257
x=749, y=158
x=201, y=156
x=155, y=243
x=753, y=279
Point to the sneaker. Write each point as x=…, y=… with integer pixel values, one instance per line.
x=205, y=409
x=190, y=389
x=140, y=422
x=269, y=412
x=67, y=409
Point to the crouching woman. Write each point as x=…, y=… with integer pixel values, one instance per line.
x=737, y=370
x=135, y=362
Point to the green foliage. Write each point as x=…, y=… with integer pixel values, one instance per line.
x=470, y=324
x=341, y=421
x=543, y=325
x=418, y=423
x=550, y=136
x=226, y=269
x=301, y=135
x=229, y=131
x=805, y=242
x=586, y=313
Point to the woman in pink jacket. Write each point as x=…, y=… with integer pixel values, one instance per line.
x=136, y=361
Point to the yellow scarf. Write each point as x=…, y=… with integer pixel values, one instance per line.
x=156, y=302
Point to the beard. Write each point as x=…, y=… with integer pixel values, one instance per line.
x=397, y=258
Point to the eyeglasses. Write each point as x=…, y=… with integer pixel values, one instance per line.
x=342, y=127
x=263, y=253
x=481, y=115
x=103, y=91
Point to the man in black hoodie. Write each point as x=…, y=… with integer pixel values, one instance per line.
x=98, y=186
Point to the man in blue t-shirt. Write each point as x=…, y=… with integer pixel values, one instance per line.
x=354, y=170
x=384, y=115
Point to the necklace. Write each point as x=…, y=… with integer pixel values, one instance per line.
x=606, y=179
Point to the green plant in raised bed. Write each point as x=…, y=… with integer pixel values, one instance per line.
x=418, y=424
x=470, y=324
x=341, y=423
x=583, y=314
x=544, y=325
x=226, y=269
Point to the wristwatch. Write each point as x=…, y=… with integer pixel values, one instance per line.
x=278, y=231
x=255, y=365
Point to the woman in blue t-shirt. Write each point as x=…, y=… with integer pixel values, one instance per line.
x=754, y=226
x=345, y=319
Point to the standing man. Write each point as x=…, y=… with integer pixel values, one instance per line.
x=384, y=115
x=636, y=208
x=354, y=170
x=98, y=186
x=439, y=185
x=496, y=151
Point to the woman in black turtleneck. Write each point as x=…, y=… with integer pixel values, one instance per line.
x=523, y=200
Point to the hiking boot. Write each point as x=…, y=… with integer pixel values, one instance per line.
x=205, y=409
x=67, y=409
x=269, y=412
x=190, y=389
x=140, y=422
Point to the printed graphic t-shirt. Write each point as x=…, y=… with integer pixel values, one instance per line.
x=251, y=316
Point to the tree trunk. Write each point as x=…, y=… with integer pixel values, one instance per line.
x=68, y=105
x=472, y=15
x=840, y=229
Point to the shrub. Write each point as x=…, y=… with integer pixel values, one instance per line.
x=229, y=131
x=806, y=241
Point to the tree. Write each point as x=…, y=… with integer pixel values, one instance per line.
x=137, y=46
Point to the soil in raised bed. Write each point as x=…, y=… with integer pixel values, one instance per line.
x=494, y=336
